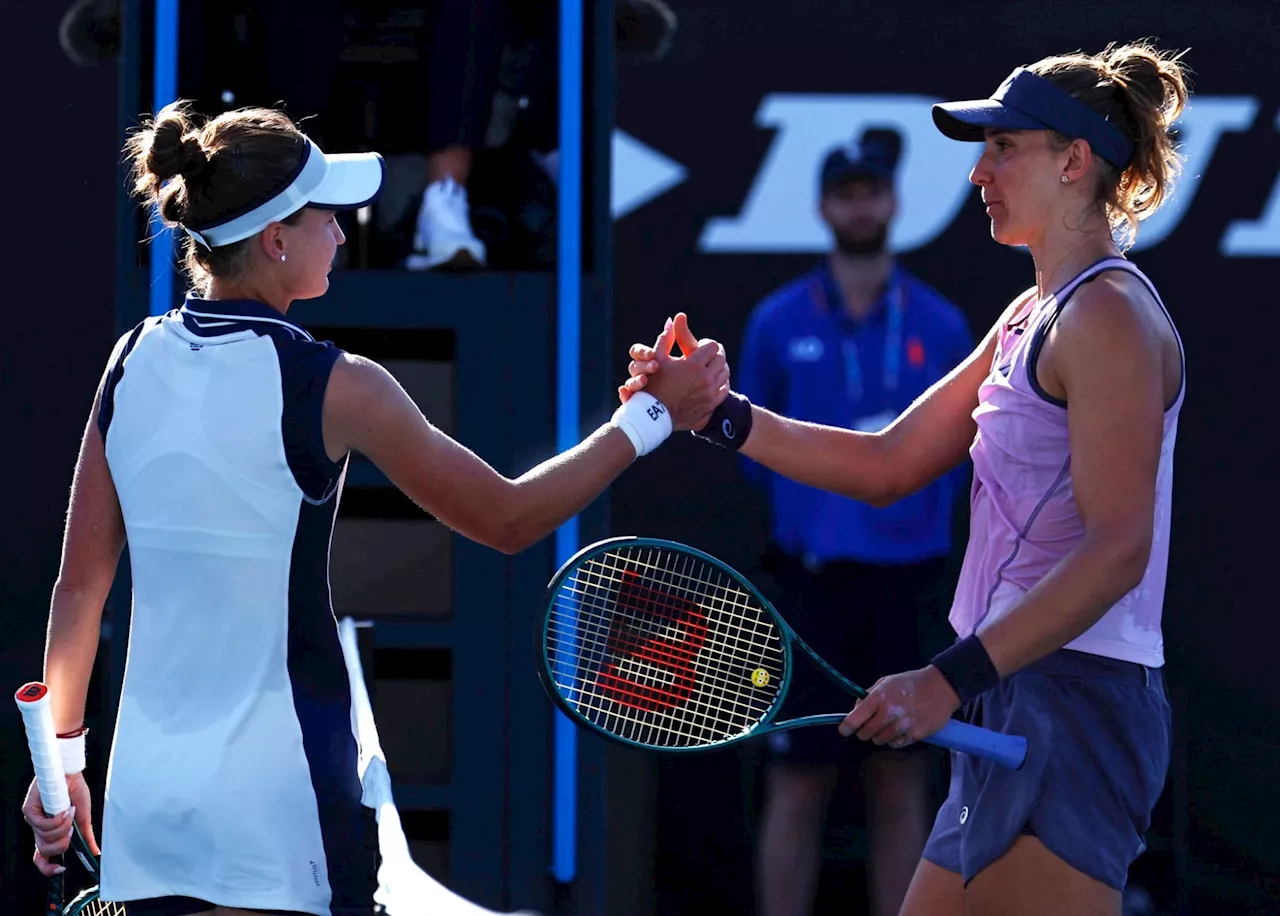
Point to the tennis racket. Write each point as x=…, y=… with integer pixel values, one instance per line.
x=658, y=645
x=33, y=703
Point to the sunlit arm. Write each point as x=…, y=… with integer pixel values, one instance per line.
x=367, y=411
x=930, y=438
x=92, y=543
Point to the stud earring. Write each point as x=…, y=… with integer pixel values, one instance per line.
x=1065, y=179
x=282, y=256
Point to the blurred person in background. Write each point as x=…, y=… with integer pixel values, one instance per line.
x=464, y=60
x=850, y=344
x=481, y=96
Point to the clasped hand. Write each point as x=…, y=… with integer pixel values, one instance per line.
x=691, y=385
x=702, y=365
x=898, y=710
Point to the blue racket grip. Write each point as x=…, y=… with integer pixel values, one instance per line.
x=1007, y=750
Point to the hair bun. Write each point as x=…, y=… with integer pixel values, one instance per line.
x=193, y=162
x=1148, y=78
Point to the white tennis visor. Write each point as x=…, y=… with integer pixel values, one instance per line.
x=345, y=181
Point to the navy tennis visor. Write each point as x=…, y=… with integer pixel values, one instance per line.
x=1026, y=101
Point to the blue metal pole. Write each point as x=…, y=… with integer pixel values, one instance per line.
x=568, y=354
x=164, y=90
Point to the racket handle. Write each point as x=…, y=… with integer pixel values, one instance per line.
x=42, y=739
x=1007, y=750
x=54, y=894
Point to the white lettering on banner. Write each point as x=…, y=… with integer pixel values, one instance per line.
x=1256, y=239
x=780, y=212
x=1201, y=124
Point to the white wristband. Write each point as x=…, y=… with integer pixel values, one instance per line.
x=645, y=421
x=72, y=751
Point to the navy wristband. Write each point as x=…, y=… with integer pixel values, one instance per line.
x=967, y=668
x=730, y=423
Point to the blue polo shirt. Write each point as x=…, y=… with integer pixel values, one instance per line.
x=805, y=357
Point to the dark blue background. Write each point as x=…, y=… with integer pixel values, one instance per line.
x=59, y=152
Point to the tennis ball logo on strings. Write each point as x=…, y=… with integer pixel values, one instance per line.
x=760, y=677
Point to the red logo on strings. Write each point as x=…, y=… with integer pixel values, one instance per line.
x=652, y=646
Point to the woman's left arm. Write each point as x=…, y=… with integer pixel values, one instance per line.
x=1107, y=359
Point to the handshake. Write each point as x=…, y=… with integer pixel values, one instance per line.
x=692, y=389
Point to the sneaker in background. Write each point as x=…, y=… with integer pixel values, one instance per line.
x=444, y=238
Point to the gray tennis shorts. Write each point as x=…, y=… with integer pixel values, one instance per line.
x=1098, y=742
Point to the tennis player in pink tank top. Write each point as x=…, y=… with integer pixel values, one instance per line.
x=1069, y=409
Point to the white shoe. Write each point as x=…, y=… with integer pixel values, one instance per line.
x=444, y=235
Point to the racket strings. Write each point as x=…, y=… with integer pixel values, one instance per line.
x=622, y=697
x=727, y=706
x=630, y=686
x=87, y=903
x=725, y=642
x=662, y=648
x=651, y=662
x=597, y=626
x=723, y=594
x=666, y=685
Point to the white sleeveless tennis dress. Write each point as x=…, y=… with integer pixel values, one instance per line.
x=233, y=774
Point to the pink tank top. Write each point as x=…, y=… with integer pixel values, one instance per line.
x=1024, y=519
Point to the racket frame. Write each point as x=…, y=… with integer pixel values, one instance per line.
x=91, y=864
x=547, y=676
x=953, y=733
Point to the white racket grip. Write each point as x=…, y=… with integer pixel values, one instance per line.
x=42, y=739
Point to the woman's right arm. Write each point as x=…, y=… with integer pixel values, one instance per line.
x=928, y=439
x=91, y=548
x=366, y=410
